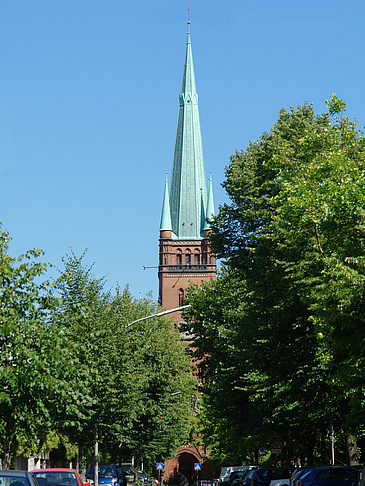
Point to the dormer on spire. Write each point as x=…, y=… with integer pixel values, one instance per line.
x=165, y=224
x=210, y=206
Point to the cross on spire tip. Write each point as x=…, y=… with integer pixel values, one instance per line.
x=188, y=11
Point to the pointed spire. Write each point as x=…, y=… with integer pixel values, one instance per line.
x=166, y=215
x=188, y=185
x=188, y=84
x=210, y=205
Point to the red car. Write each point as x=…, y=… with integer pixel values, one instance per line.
x=58, y=476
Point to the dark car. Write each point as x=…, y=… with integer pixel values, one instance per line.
x=264, y=476
x=236, y=476
x=108, y=474
x=130, y=474
x=142, y=478
x=17, y=478
x=58, y=477
x=297, y=474
x=329, y=476
x=246, y=480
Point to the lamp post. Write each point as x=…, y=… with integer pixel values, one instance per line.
x=163, y=313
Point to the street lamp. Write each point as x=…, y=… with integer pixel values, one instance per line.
x=160, y=314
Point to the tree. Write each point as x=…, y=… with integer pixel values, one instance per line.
x=130, y=372
x=293, y=237
x=28, y=353
x=70, y=365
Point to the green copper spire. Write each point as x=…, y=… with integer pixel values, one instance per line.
x=188, y=192
x=166, y=216
x=210, y=205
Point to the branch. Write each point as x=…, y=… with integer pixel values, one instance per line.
x=317, y=238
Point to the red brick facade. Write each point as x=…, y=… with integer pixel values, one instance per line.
x=184, y=461
x=182, y=262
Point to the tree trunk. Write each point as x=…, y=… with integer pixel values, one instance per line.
x=252, y=457
x=351, y=450
x=310, y=448
x=7, y=462
x=79, y=457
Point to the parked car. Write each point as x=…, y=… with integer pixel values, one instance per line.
x=130, y=474
x=236, y=476
x=246, y=480
x=17, y=478
x=108, y=475
x=142, y=478
x=58, y=477
x=329, y=476
x=297, y=474
x=121, y=476
x=274, y=476
x=226, y=473
x=280, y=476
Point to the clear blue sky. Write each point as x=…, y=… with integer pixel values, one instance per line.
x=89, y=101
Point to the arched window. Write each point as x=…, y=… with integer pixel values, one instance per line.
x=178, y=257
x=196, y=257
x=188, y=257
x=181, y=297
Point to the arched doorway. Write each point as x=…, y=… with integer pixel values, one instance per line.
x=186, y=465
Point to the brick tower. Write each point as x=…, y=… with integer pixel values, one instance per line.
x=184, y=252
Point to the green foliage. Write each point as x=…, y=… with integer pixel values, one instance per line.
x=69, y=365
x=335, y=105
x=283, y=325
x=26, y=379
x=129, y=373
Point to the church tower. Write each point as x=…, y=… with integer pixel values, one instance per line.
x=184, y=251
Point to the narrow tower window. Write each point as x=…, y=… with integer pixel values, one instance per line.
x=178, y=257
x=196, y=257
x=181, y=297
x=188, y=257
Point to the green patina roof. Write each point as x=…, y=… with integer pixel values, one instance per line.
x=166, y=216
x=188, y=192
x=210, y=205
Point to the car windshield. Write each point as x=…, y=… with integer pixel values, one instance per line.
x=280, y=473
x=238, y=474
x=59, y=478
x=11, y=480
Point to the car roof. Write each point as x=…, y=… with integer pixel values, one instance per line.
x=54, y=469
x=12, y=472
x=331, y=467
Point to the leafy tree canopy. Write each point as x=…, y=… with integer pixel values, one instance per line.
x=286, y=316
